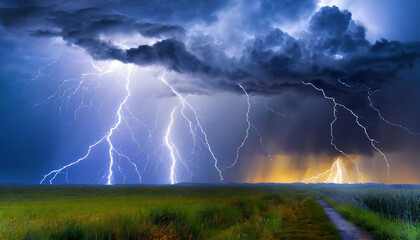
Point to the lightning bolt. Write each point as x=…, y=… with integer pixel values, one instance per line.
x=64, y=93
x=150, y=131
x=336, y=174
x=247, y=129
x=356, y=117
x=387, y=121
x=185, y=104
x=169, y=144
x=266, y=152
x=370, y=93
x=82, y=104
x=106, y=137
x=173, y=150
x=276, y=112
x=132, y=163
x=335, y=146
x=114, y=127
x=193, y=128
x=43, y=68
x=54, y=173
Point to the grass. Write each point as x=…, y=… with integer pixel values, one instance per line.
x=144, y=212
x=387, y=213
x=203, y=212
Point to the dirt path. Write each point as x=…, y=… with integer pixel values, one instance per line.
x=347, y=230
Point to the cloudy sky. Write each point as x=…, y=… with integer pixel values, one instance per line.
x=160, y=92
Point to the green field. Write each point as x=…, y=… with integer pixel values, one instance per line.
x=165, y=212
x=387, y=213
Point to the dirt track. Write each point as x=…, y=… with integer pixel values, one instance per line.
x=347, y=230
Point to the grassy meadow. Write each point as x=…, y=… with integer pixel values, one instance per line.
x=195, y=212
x=138, y=212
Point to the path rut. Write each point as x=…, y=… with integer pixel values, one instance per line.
x=346, y=229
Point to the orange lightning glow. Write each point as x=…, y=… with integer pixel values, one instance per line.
x=336, y=174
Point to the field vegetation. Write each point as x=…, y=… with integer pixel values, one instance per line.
x=134, y=212
x=203, y=212
x=387, y=213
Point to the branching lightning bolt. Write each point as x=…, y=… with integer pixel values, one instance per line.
x=173, y=150
x=336, y=174
x=114, y=127
x=41, y=69
x=247, y=129
x=389, y=122
x=371, y=140
x=64, y=93
x=106, y=137
x=150, y=137
x=370, y=93
x=185, y=104
x=130, y=161
x=54, y=173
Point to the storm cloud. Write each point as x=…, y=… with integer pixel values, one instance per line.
x=332, y=47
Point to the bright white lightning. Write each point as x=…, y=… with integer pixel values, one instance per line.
x=247, y=129
x=173, y=150
x=193, y=129
x=133, y=138
x=64, y=93
x=132, y=163
x=338, y=149
x=115, y=126
x=185, y=103
x=106, y=137
x=336, y=174
x=54, y=173
x=371, y=140
x=82, y=104
x=169, y=145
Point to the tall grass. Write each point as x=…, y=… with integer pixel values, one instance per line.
x=160, y=213
x=388, y=213
x=401, y=204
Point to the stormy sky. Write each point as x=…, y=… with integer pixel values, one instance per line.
x=178, y=91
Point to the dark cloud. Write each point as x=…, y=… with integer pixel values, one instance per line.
x=330, y=21
x=334, y=47
x=169, y=52
x=81, y=24
x=177, y=11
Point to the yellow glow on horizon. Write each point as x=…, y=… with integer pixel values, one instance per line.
x=311, y=169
